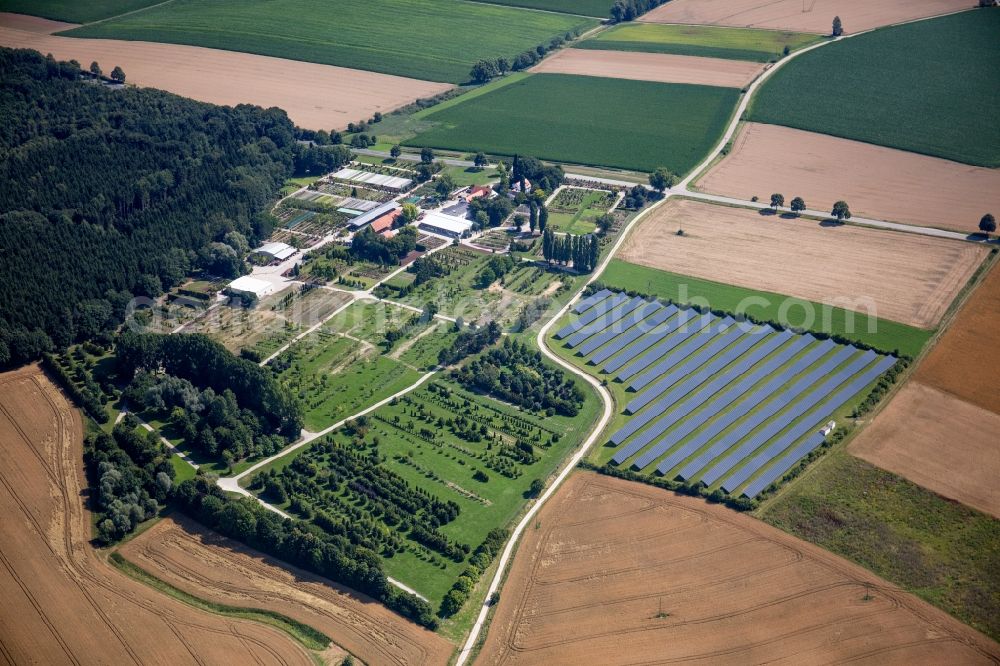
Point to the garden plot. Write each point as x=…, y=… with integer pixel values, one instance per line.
x=729, y=404
x=575, y=209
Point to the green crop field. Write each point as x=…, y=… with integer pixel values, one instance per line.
x=436, y=40
x=881, y=333
x=700, y=40
x=588, y=120
x=923, y=87
x=935, y=548
x=74, y=11
x=596, y=8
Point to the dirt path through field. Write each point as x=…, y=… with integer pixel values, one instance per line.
x=201, y=562
x=614, y=566
x=314, y=96
x=877, y=182
x=939, y=442
x=62, y=602
x=659, y=67
x=801, y=15
x=906, y=278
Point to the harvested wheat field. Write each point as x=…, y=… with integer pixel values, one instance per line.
x=314, y=96
x=62, y=601
x=659, y=67
x=965, y=362
x=213, y=567
x=620, y=568
x=802, y=16
x=939, y=442
x=907, y=278
x=878, y=183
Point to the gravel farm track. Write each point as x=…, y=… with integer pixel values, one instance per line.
x=62, y=601
x=907, y=278
x=205, y=564
x=878, y=182
x=799, y=15
x=612, y=564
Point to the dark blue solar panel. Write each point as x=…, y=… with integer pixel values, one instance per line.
x=705, y=393
x=591, y=314
x=592, y=300
x=657, y=352
x=796, y=408
x=654, y=367
x=758, y=396
x=808, y=423
x=608, y=320
x=642, y=327
x=682, y=318
x=784, y=464
x=622, y=325
x=673, y=396
x=770, y=409
x=693, y=356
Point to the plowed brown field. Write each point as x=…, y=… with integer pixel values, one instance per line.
x=879, y=183
x=621, y=572
x=212, y=567
x=61, y=601
x=965, y=361
x=801, y=15
x=659, y=67
x=314, y=96
x=903, y=277
x=939, y=442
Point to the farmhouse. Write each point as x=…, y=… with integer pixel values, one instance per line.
x=445, y=225
x=477, y=191
x=374, y=214
x=275, y=251
x=383, y=225
x=251, y=286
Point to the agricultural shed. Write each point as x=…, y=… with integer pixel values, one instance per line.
x=444, y=225
x=250, y=285
x=274, y=250
x=372, y=215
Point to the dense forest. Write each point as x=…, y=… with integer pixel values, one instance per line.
x=106, y=194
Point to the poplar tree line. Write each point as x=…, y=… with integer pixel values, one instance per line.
x=583, y=252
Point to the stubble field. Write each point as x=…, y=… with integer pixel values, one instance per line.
x=659, y=67
x=791, y=14
x=612, y=564
x=314, y=96
x=62, y=601
x=906, y=278
x=879, y=183
x=907, y=438
x=202, y=563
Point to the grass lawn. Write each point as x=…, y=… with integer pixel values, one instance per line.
x=74, y=11
x=939, y=550
x=921, y=87
x=464, y=176
x=435, y=40
x=700, y=40
x=596, y=8
x=881, y=333
x=182, y=470
x=586, y=120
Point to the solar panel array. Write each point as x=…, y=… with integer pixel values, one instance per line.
x=717, y=398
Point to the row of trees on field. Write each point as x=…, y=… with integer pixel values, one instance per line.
x=583, y=252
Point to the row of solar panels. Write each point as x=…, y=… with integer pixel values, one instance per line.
x=680, y=361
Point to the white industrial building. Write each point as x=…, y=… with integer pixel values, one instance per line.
x=448, y=226
x=276, y=251
x=248, y=285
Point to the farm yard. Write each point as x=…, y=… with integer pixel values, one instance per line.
x=313, y=95
x=767, y=306
x=858, y=15
x=352, y=33
x=184, y=554
x=906, y=278
x=63, y=601
x=906, y=71
x=446, y=444
x=699, y=40
x=655, y=67
x=556, y=117
x=732, y=405
x=612, y=563
x=907, y=436
x=926, y=191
